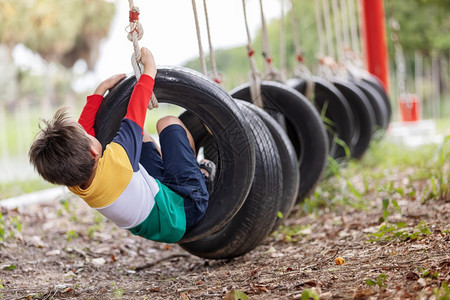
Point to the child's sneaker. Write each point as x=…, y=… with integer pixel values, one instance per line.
x=210, y=168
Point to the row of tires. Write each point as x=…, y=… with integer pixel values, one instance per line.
x=267, y=158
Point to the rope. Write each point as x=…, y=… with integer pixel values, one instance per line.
x=271, y=73
x=135, y=33
x=319, y=29
x=301, y=70
x=199, y=40
x=344, y=17
x=353, y=25
x=338, y=30
x=216, y=75
x=255, y=76
x=328, y=31
x=283, y=66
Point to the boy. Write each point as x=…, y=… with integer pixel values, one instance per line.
x=155, y=193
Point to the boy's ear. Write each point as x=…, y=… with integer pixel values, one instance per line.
x=93, y=151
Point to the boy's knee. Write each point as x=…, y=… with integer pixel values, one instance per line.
x=167, y=121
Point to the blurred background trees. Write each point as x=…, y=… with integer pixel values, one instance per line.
x=62, y=34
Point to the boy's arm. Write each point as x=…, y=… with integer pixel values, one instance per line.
x=137, y=107
x=140, y=98
x=131, y=132
x=87, y=117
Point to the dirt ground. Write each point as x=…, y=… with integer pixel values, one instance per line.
x=65, y=251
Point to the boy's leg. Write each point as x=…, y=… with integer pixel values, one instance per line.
x=182, y=172
x=148, y=138
x=171, y=120
x=151, y=157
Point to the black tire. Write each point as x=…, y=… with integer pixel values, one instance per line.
x=203, y=97
x=289, y=162
x=303, y=126
x=255, y=220
x=338, y=111
x=375, y=82
x=376, y=100
x=363, y=115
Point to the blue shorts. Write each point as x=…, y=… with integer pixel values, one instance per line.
x=178, y=169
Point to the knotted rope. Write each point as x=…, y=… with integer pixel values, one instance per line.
x=255, y=76
x=271, y=73
x=301, y=70
x=217, y=77
x=135, y=33
x=199, y=40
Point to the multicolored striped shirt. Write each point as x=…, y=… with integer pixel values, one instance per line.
x=122, y=190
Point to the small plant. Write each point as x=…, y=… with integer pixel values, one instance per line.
x=99, y=221
x=118, y=292
x=72, y=234
x=310, y=294
x=9, y=227
x=380, y=281
x=291, y=234
x=68, y=208
x=442, y=293
x=399, y=232
x=427, y=273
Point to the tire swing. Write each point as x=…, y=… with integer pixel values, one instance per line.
x=254, y=221
x=375, y=82
x=362, y=111
x=368, y=83
x=201, y=96
x=302, y=122
x=256, y=218
x=363, y=116
x=289, y=163
x=380, y=110
x=328, y=100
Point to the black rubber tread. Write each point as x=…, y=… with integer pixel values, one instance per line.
x=337, y=110
x=289, y=162
x=376, y=83
x=303, y=126
x=255, y=220
x=363, y=115
x=376, y=100
x=203, y=97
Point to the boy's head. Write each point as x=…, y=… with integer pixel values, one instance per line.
x=61, y=152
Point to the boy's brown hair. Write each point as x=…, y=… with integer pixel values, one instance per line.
x=61, y=151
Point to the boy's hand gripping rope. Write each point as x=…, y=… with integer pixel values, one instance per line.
x=135, y=33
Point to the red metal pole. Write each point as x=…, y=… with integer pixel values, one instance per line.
x=374, y=36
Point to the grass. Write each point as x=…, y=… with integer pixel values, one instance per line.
x=388, y=171
x=16, y=188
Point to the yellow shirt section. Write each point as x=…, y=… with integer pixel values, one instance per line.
x=114, y=172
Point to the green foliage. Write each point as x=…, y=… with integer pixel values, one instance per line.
x=310, y=294
x=9, y=226
x=118, y=292
x=399, y=232
x=424, y=25
x=72, y=234
x=428, y=273
x=54, y=28
x=443, y=292
x=380, y=281
x=236, y=295
x=292, y=233
x=99, y=222
x=16, y=188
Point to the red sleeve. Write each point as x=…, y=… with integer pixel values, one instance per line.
x=87, y=117
x=140, y=98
